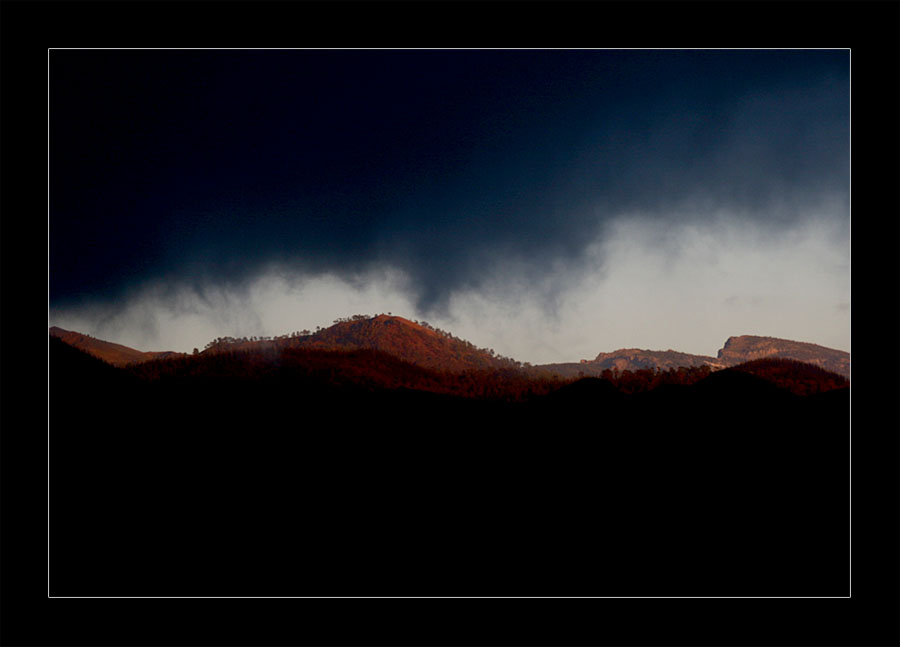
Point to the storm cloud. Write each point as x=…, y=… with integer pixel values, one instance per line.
x=547, y=203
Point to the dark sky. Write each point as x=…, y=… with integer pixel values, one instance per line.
x=204, y=168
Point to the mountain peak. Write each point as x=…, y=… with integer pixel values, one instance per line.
x=413, y=341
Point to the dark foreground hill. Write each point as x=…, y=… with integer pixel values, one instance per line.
x=285, y=482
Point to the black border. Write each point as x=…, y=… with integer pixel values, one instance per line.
x=870, y=29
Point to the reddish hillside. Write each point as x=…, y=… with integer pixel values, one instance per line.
x=413, y=342
x=109, y=352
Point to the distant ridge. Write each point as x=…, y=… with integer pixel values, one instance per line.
x=737, y=350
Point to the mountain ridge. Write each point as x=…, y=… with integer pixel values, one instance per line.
x=422, y=344
x=258, y=462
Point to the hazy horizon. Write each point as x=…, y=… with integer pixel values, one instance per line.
x=548, y=204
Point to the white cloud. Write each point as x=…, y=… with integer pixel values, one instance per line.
x=686, y=286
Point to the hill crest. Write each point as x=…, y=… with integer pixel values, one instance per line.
x=416, y=342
